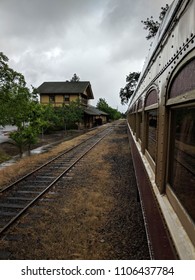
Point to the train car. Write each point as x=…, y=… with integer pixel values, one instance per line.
x=161, y=129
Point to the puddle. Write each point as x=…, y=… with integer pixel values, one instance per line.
x=39, y=150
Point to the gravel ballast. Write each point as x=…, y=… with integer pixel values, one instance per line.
x=92, y=213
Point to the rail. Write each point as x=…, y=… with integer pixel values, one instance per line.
x=22, y=194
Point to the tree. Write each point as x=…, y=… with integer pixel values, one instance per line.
x=11, y=83
x=27, y=136
x=127, y=91
x=75, y=78
x=18, y=106
x=102, y=105
x=25, y=114
x=47, y=117
x=153, y=26
x=132, y=79
x=71, y=114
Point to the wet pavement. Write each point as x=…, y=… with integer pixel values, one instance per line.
x=39, y=150
x=4, y=132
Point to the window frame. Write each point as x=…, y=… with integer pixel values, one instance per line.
x=186, y=99
x=172, y=196
x=52, y=98
x=67, y=96
x=149, y=157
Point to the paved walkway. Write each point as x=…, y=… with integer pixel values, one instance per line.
x=4, y=132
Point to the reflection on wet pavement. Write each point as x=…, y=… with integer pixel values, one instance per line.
x=36, y=151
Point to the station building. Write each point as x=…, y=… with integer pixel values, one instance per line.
x=59, y=94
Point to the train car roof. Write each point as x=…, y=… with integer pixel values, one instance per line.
x=160, y=36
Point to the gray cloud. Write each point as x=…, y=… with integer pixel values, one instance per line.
x=102, y=41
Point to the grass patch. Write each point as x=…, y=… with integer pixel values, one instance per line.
x=3, y=156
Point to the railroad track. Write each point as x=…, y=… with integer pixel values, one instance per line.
x=16, y=198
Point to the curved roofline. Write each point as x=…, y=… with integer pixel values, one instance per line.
x=160, y=36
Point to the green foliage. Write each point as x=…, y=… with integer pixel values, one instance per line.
x=19, y=106
x=9, y=79
x=71, y=114
x=132, y=79
x=3, y=156
x=75, y=78
x=19, y=139
x=12, y=89
x=43, y=117
x=163, y=12
x=26, y=136
x=102, y=105
x=126, y=92
x=152, y=26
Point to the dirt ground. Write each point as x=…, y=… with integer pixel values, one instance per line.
x=91, y=214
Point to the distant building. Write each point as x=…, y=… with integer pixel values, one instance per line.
x=59, y=93
x=94, y=117
x=62, y=93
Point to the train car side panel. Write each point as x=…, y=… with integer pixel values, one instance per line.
x=161, y=118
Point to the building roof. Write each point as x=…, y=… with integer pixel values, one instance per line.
x=66, y=88
x=93, y=111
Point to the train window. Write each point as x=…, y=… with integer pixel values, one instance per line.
x=184, y=82
x=152, y=98
x=182, y=157
x=133, y=118
x=139, y=132
x=151, y=141
x=139, y=120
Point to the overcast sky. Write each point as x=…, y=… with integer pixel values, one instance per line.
x=99, y=40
